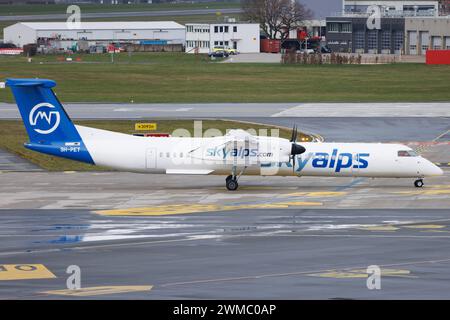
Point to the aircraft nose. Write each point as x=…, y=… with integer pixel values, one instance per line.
x=430, y=169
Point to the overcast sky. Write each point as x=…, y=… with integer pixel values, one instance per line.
x=323, y=8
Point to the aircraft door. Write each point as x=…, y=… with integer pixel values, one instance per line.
x=151, y=158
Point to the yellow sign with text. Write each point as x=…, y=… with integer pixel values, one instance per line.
x=24, y=271
x=145, y=126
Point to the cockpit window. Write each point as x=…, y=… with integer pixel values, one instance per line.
x=407, y=153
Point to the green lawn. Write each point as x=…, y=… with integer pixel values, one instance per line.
x=13, y=135
x=179, y=77
x=8, y=10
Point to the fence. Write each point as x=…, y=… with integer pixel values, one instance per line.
x=335, y=58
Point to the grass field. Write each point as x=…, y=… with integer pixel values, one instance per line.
x=8, y=10
x=13, y=135
x=179, y=77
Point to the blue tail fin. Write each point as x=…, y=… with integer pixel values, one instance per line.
x=48, y=126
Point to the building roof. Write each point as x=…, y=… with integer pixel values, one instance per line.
x=113, y=25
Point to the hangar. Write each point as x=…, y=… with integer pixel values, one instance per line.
x=427, y=33
x=128, y=31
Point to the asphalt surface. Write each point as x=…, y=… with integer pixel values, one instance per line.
x=11, y=162
x=275, y=238
x=92, y=15
x=169, y=237
x=243, y=110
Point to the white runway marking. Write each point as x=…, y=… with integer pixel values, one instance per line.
x=354, y=110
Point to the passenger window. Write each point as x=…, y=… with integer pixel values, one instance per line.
x=168, y=155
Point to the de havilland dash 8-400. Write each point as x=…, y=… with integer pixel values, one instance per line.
x=237, y=153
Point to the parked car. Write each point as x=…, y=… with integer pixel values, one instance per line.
x=307, y=51
x=325, y=49
x=226, y=49
x=218, y=54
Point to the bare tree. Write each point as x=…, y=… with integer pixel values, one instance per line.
x=276, y=17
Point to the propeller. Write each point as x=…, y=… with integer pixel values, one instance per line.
x=296, y=148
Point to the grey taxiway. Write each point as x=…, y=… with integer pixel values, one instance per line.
x=153, y=236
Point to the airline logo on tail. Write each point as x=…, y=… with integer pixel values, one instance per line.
x=44, y=119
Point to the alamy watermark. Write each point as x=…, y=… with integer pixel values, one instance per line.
x=74, y=19
x=74, y=280
x=374, y=19
x=374, y=277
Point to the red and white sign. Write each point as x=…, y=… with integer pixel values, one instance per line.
x=113, y=49
x=9, y=51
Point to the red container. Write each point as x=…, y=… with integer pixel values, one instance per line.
x=270, y=46
x=301, y=34
x=438, y=57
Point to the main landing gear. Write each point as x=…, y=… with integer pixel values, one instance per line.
x=418, y=183
x=231, y=183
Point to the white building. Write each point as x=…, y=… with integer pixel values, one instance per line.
x=201, y=38
x=130, y=31
x=394, y=7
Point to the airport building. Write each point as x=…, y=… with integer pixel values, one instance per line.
x=427, y=33
x=393, y=7
x=350, y=34
x=406, y=27
x=23, y=33
x=202, y=37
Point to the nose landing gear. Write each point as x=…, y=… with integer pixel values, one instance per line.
x=418, y=183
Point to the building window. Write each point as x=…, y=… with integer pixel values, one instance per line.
x=226, y=29
x=346, y=27
x=216, y=29
x=425, y=41
x=359, y=40
x=386, y=40
x=216, y=43
x=398, y=41
x=226, y=43
x=447, y=43
x=372, y=41
x=437, y=43
x=333, y=27
x=234, y=28
x=221, y=29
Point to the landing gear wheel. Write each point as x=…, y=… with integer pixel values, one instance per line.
x=232, y=184
x=418, y=183
x=229, y=178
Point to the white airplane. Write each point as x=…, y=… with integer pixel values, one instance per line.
x=51, y=131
